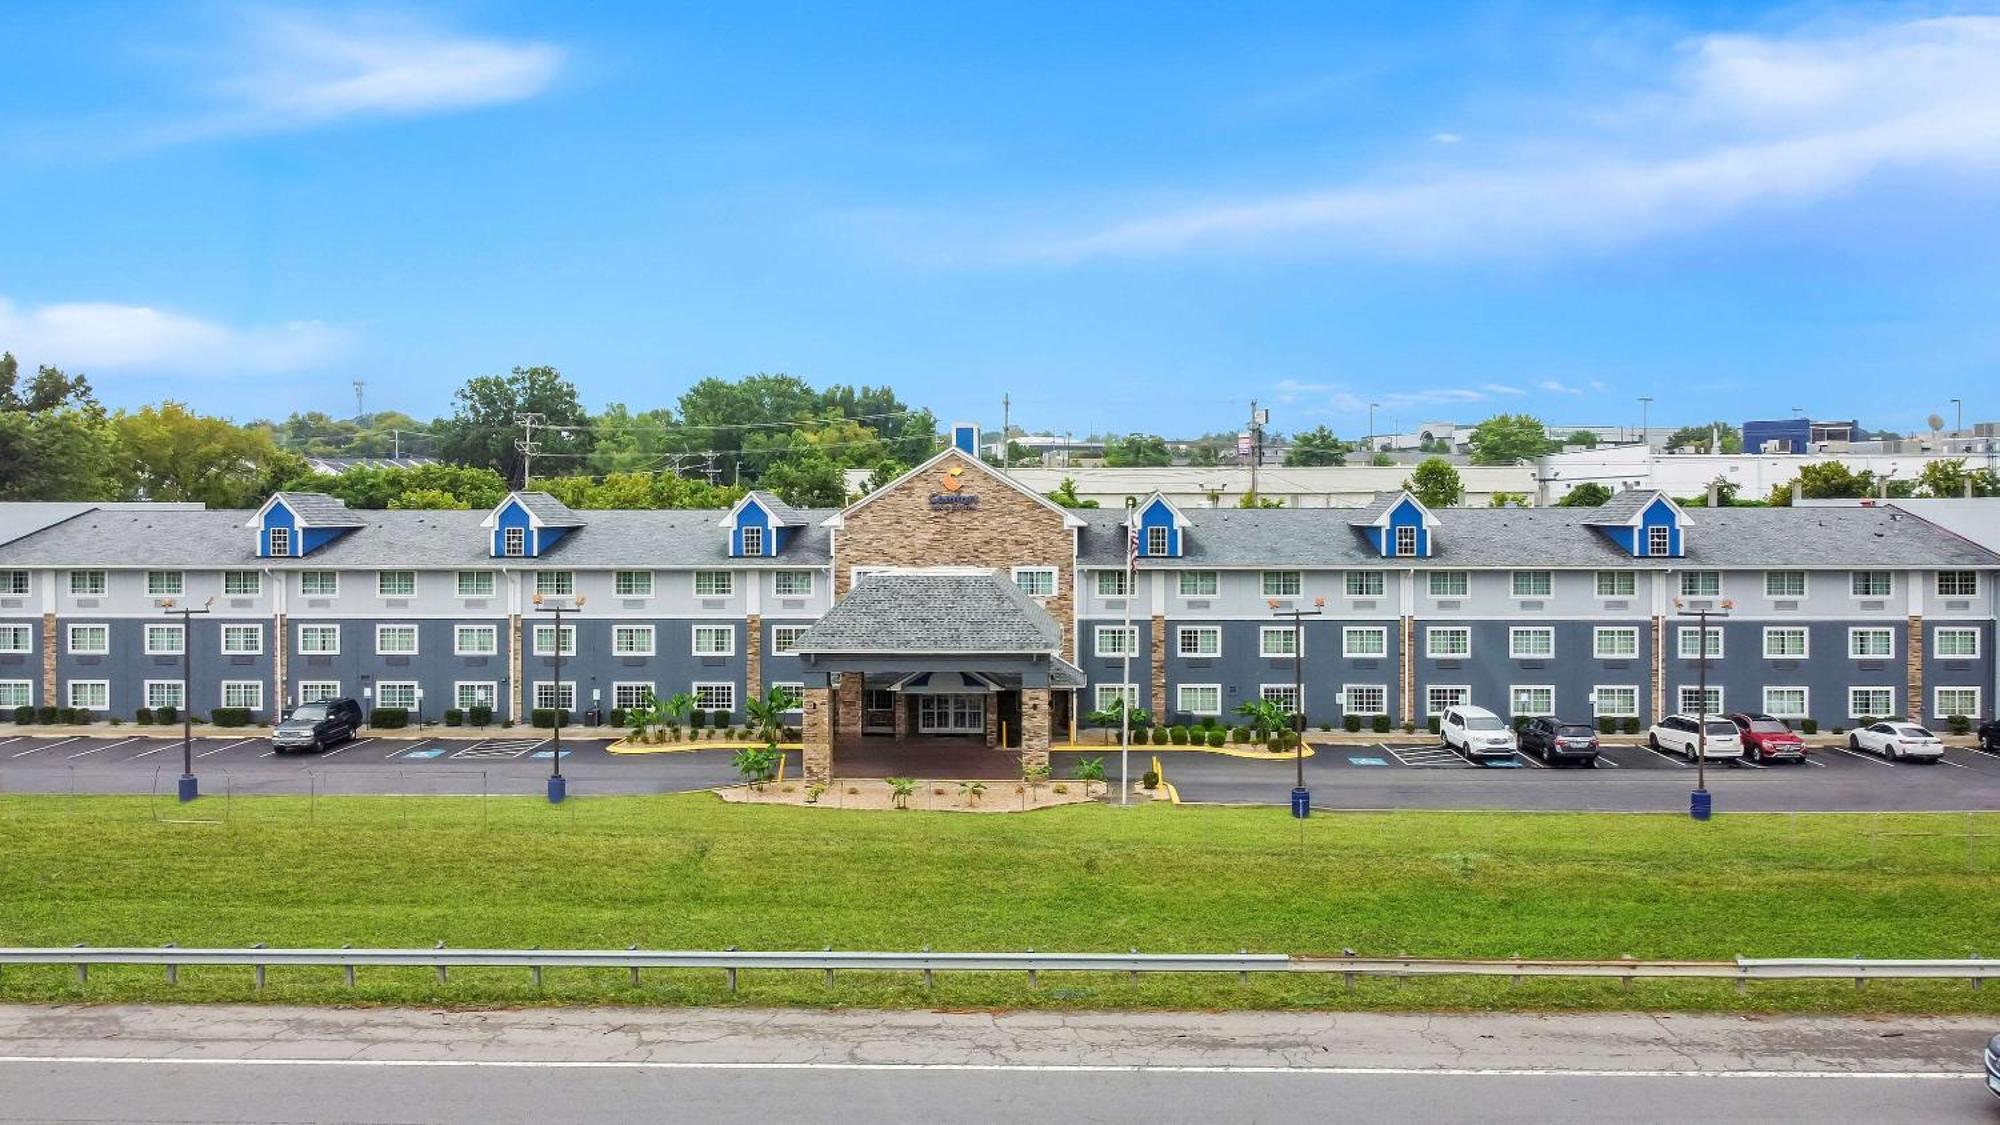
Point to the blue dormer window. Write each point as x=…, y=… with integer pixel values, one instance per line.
x=1396, y=526
x=1159, y=527
x=753, y=542
x=1659, y=540
x=526, y=524
x=1158, y=540
x=514, y=542
x=1644, y=523
x=760, y=525
x=281, y=542
x=295, y=524
x=1406, y=542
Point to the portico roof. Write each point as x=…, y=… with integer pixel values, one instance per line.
x=936, y=612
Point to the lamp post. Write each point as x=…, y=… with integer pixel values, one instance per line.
x=558, y=784
x=189, y=788
x=1301, y=796
x=1700, y=802
x=1126, y=692
x=1645, y=415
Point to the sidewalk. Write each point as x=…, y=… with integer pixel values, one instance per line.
x=210, y=730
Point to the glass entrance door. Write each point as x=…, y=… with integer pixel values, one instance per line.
x=951, y=714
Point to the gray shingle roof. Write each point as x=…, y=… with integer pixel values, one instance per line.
x=22, y=518
x=1620, y=509
x=548, y=510
x=1373, y=510
x=934, y=611
x=317, y=509
x=784, y=514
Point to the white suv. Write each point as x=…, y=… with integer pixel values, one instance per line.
x=1476, y=733
x=1681, y=734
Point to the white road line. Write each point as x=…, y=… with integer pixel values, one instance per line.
x=1944, y=761
x=1810, y=762
x=1530, y=759
x=1863, y=757
x=153, y=751
x=1747, y=763
x=1674, y=762
x=1034, y=1068
x=220, y=749
x=96, y=749
x=50, y=746
x=346, y=746
x=1603, y=763
x=16, y=738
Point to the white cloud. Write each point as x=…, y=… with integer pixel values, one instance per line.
x=1734, y=122
x=96, y=337
x=1446, y=138
x=1599, y=385
x=1559, y=388
x=1338, y=398
x=1501, y=389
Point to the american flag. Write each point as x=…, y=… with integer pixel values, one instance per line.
x=1131, y=546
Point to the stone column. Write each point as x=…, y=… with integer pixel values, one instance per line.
x=514, y=665
x=1408, y=668
x=1159, y=651
x=901, y=722
x=753, y=648
x=847, y=708
x=1659, y=691
x=278, y=668
x=990, y=706
x=1916, y=669
x=49, y=694
x=1034, y=728
x=818, y=734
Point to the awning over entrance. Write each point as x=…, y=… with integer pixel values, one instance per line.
x=946, y=683
x=941, y=631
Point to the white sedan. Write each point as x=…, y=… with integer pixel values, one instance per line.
x=1897, y=740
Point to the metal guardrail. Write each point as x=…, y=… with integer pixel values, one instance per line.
x=1742, y=970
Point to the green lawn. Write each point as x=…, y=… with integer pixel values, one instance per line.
x=690, y=872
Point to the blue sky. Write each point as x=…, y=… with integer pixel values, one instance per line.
x=1129, y=217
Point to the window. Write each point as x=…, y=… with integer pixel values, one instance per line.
x=1439, y=698
x=632, y=583
x=1367, y=640
x=13, y=582
x=475, y=584
x=91, y=695
x=1449, y=583
x=1117, y=640
x=475, y=640
x=395, y=640
x=1277, y=641
x=550, y=695
x=545, y=640
x=242, y=583
x=795, y=690
x=514, y=542
x=715, y=697
x=951, y=714
x=1533, y=584
x=17, y=693
x=1692, y=642
x=1615, y=642
x=86, y=583
x=1956, y=641
x=1872, y=583
x=1109, y=695
x=1531, y=642
x=1281, y=583
x=785, y=638
x=555, y=583
x=1198, y=699
x=1531, y=699
x=632, y=640
x=1406, y=542
x=799, y=583
x=1958, y=584
x=1659, y=540
x=281, y=542
x=1871, y=644
x=1785, y=702
x=1365, y=699
x=627, y=696
x=318, y=691
x=397, y=693
x=753, y=542
x=1617, y=584
x=715, y=640
x=1156, y=542
x=1364, y=584
x=163, y=584
x=1701, y=584
x=395, y=583
x=165, y=640
x=319, y=584
x=1199, y=583
x=1691, y=700
x=467, y=694
x=1199, y=640
x=319, y=639
x=1615, y=700
x=1870, y=702
x=1949, y=701
x=89, y=640
x=1784, y=643
x=16, y=638
x=714, y=583
x=243, y=640
x=166, y=693
x=1036, y=581
x=1447, y=642
x=1784, y=583
x=247, y=694
x=1114, y=584
x=1284, y=695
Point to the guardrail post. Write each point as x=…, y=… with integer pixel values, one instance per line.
x=1243, y=975
x=1625, y=981
x=441, y=968
x=635, y=967
x=82, y=968
x=1031, y=968
x=1515, y=980
x=1133, y=976
x=1975, y=980
x=930, y=979
x=349, y=967
x=1860, y=982
x=829, y=971
x=259, y=968
x=173, y=970
x=730, y=972
x=1742, y=976
x=535, y=971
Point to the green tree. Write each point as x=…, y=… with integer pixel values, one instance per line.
x=173, y=453
x=56, y=442
x=1381, y=459
x=1317, y=446
x=1826, y=480
x=1507, y=500
x=1137, y=451
x=1507, y=438
x=1584, y=438
x=767, y=713
x=810, y=481
x=1950, y=478
x=1065, y=495
x=1253, y=500
x=1589, y=494
x=625, y=442
x=428, y=499
x=370, y=486
x=482, y=429
x=1435, y=484
x=886, y=471
x=1701, y=437
x=1204, y=455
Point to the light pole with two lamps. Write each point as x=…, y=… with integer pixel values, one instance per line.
x=1701, y=803
x=1301, y=796
x=189, y=788
x=558, y=784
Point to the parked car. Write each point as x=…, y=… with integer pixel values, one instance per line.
x=316, y=726
x=1993, y=1066
x=1683, y=735
x=1476, y=733
x=1766, y=739
x=1897, y=740
x=1989, y=735
x=1557, y=742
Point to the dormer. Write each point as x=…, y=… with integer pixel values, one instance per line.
x=295, y=524
x=1397, y=526
x=1644, y=523
x=526, y=524
x=1160, y=527
x=965, y=438
x=761, y=526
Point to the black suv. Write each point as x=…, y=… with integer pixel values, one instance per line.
x=1557, y=742
x=316, y=726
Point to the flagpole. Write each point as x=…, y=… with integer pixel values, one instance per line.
x=1126, y=693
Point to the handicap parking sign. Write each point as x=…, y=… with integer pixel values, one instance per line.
x=547, y=754
x=1367, y=761
x=424, y=755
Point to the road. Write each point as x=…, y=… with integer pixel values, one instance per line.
x=296, y=1065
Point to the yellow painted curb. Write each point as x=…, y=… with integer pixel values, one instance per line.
x=1219, y=751
x=627, y=746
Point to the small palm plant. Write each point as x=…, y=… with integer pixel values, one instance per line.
x=767, y=716
x=642, y=717
x=1088, y=770
x=900, y=789
x=1265, y=715
x=757, y=765
x=971, y=790
x=674, y=709
x=1036, y=777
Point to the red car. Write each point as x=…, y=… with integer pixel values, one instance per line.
x=1766, y=739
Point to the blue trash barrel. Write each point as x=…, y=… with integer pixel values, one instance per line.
x=1301, y=803
x=1701, y=804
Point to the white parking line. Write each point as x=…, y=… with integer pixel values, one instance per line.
x=50, y=746
x=346, y=746
x=1808, y=761
x=1748, y=764
x=1524, y=756
x=1863, y=757
x=1944, y=761
x=154, y=750
x=97, y=749
x=16, y=738
x=1674, y=762
x=220, y=749
x=1603, y=763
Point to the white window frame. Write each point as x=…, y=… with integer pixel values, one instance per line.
x=1937, y=642
x=1597, y=702
x=1770, y=576
x=484, y=693
x=154, y=692
x=1291, y=638
x=103, y=686
x=631, y=699
x=1461, y=695
x=1888, y=693
x=156, y=588
x=71, y=647
x=1113, y=650
x=1805, y=642
x=1114, y=584
x=1939, y=710
x=561, y=695
x=18, y=693
x=1380, y=584
x=1627, y=579
x=720, y=583
x=88, y=583
x=1042, y=581
x=726, y=632
x=1600, y=634
x=327, y=581
x=1406, y=542
x=624, y=632
x=1463, y=580
x=318, y=628
x=790, y=635
x=1104, y=694
x=382, y=578
x=1514, y=704
x=1347, y=704
x=1547, y=581
x=15, y=584
x=24, y=646
x=239, y=630
x=566, y=640
x=280, y=542
x=1681, y=642
x=1281, y=693
x=406, y=694
x=173, y=629
x=1185, y=707
x=416, y=639
x=1348, y=633
x=1970, y=576
x=1515, y=635
x=1185, y=633
x=459, y=632
x=1855, y=578
x=1431, y=636
x=1805, y=701
x=1158, y=542
x=1659, y=541
x=318, y=691
x=779, y=578
x=753, y=542
x=514, y=542
x=1282, y=583
x=1690, y=579
x=483, y=584
x=725, y=686
x=1197, y=579
x=1855, y=634
x=1681, y=697
x=242, y=584
x=250, y=694
x=555, y=583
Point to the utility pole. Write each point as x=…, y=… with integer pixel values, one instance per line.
x=1301, y=796
x=1006, y=422
x=1371, y=425
x=1645, y=414
x=527, y=446
x=189, y=788
x=1256, y=443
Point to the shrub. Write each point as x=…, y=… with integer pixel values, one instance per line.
x=1160, y=736
x=389, y=718
x=1149, y=780
x=45, y=714
x=1840, y=730
x=1866, y=721
x=65, y=715
x=1607, y=725
x=1242, y=734
x=1409, y=727
x=1381, y=724
x=230, y=716
x=1351, y=723
x=143, y=716
x=1215, y=736
x=167, y=714
x=1958, y=724
x=1630, y=725
x=24, y=715
x=81, y=716
x=1520, y=723
x=1808, y=726
x=453, y=717
x=1179, y=736
x=1275, y=743
x=479, y=714
x=1325, y=726
x=545, y=717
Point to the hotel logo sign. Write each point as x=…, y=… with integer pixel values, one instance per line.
x=952, y=494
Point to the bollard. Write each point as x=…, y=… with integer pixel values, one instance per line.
x=259, y=969
x=173, y=970
x=348, y=967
